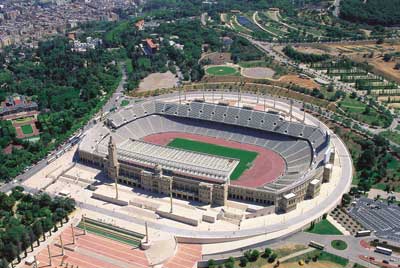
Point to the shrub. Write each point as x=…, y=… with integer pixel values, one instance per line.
x=267, y=252
x=229, y=264
x=255, y=254
x=211, y=263
x=272, y=258
x=247, y=254
x=244, y=261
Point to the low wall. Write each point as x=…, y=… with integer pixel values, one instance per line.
x=180, y=218
x=108, y=199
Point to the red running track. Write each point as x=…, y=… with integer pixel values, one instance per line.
x=266, y=168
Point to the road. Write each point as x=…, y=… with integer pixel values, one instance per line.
x=112, y=102
x=336, y=10
x=203, y=18
x=268, y=49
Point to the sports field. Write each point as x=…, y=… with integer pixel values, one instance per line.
x=221, y=70
x=246, y=157
x=109, y=232
x=27, y=129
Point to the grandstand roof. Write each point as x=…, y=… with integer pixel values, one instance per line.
x=178, y=160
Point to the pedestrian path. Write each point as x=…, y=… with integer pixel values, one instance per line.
x=187, y=256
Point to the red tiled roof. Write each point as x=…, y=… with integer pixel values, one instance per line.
x=150, y=43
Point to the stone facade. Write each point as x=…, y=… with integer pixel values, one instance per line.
x=154, y=179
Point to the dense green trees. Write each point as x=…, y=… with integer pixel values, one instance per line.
x=374, y=12
x=67, y=85
x=25, y=218
x=303, y=57
x=372, y=163
x=243, y=50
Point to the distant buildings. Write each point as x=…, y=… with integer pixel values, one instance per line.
x=91, y=43
x=16, y=106
x=140, y=25
x=149, y=47
x=26, y=22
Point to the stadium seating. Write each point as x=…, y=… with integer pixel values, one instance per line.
x=301, y=146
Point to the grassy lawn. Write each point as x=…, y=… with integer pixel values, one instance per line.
x=287, y=250
x=27, y=129
x=393, y=136
x=129, y=67
x=124, y=103
x=356, y=110
x=245, y=157
x=221, y=70
x=323, y=256
x=380, y=186
x=111, y=234
x=339, y=244
x=324, y=227
x=23, y=120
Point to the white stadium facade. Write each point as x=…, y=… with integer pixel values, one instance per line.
x=118, y=145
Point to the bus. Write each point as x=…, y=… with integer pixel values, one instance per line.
x=363, y=233
x=316, y=245
x=383, y=250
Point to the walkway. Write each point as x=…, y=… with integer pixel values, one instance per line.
x=187, y=256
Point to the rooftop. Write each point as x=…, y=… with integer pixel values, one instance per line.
x=177, y=160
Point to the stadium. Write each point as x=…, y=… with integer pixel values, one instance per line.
x=213, y=152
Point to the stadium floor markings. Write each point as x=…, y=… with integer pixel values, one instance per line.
x=266, y=168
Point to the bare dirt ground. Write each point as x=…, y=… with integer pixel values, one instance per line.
x=311, y=50
x=364, y=48
x=386, y=98
x=303, y=82
x=380, y=67
x=158, y=81
x=217, y=58
x=258, y=72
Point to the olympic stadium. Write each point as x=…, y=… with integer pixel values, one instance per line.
x=168, y=146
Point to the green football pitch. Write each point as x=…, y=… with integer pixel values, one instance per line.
x=27, y=129
x=221, y=70
x=245, y=157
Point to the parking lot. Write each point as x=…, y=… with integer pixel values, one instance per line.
x=378, y=216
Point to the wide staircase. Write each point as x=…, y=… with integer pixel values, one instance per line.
x=186, y=256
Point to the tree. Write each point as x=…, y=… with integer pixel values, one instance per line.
x=10, y=252
x=331, y=87
x=346, y=199
x=387, y=57
x=38, y=231
x=4, y=263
